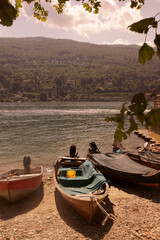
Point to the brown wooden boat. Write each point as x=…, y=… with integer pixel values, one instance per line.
x=17, y=184
x=137, y=158
x=84, y=189
x=147, y=158
x=121, y=167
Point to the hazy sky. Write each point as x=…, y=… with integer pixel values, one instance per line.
x=107, y=27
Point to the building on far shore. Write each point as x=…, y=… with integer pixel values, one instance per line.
x=157, y=106
x=157, y=102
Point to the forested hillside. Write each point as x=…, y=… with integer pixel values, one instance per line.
x=33, y=69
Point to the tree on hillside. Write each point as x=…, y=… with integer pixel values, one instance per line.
x=43, y=97
x=16, y=86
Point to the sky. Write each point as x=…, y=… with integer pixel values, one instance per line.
x=107, y=27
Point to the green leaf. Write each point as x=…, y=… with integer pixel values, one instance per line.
x=118, y=118
x=7, y=13
x=133, y=126
x=108, y=119
x=158, y=53
x=145, y=53
x=121, y=122
x=119, y=135
x=157, y=43
x=138, y=103
x=157, y=40
x=143, y=25
x=138, y=106
x=133, y=4
x=128, y=113
x=86, y=6
x=123, y=109
x=139, y=7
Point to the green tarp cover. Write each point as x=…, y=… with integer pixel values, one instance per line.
x=87, y=179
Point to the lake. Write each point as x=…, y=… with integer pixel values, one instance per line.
x=45, y=131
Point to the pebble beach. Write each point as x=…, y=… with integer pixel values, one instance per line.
x=45, y=215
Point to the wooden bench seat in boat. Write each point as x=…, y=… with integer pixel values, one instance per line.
x=87, y=179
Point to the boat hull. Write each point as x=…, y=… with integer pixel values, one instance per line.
x=16, y=188
x=84, y=204
x=137, y=158
x=123, y=168
x=145, y=161
x=139, y=179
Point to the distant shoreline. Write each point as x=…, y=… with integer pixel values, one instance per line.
x=98, y=100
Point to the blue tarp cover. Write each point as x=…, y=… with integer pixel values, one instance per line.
x=87, y=179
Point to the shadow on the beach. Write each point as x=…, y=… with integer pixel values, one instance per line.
x=92, y=231
x=149, y=193
x=10, y=210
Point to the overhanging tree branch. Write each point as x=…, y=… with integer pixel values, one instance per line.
x=135, y=113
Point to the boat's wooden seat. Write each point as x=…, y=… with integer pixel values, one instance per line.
x=83, y=177
x=87, y=180
x=79, y=180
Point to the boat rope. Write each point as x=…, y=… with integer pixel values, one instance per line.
x=108, y=215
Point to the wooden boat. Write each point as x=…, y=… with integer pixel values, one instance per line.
x=121, y=167
x=145, y=160
x=17, y=184
x=85, y=189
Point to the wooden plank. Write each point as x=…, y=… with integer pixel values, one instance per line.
x=149, y=136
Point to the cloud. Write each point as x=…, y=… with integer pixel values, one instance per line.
x=117, y=16
x=112, y=16
x=126, y=42
x=119, y=41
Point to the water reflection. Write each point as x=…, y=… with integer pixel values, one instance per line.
x=45, y=131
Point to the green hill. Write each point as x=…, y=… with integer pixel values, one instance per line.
x=53, y=69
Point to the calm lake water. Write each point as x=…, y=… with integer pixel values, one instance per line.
x=45, y=131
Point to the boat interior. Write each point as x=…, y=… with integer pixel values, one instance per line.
x=20, y=172
x=80, y=180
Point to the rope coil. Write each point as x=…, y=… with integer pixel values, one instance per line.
x=108, y=215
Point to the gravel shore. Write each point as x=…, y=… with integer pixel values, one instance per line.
x=45, y=215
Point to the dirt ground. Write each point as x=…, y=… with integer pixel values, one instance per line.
x=45, y=215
